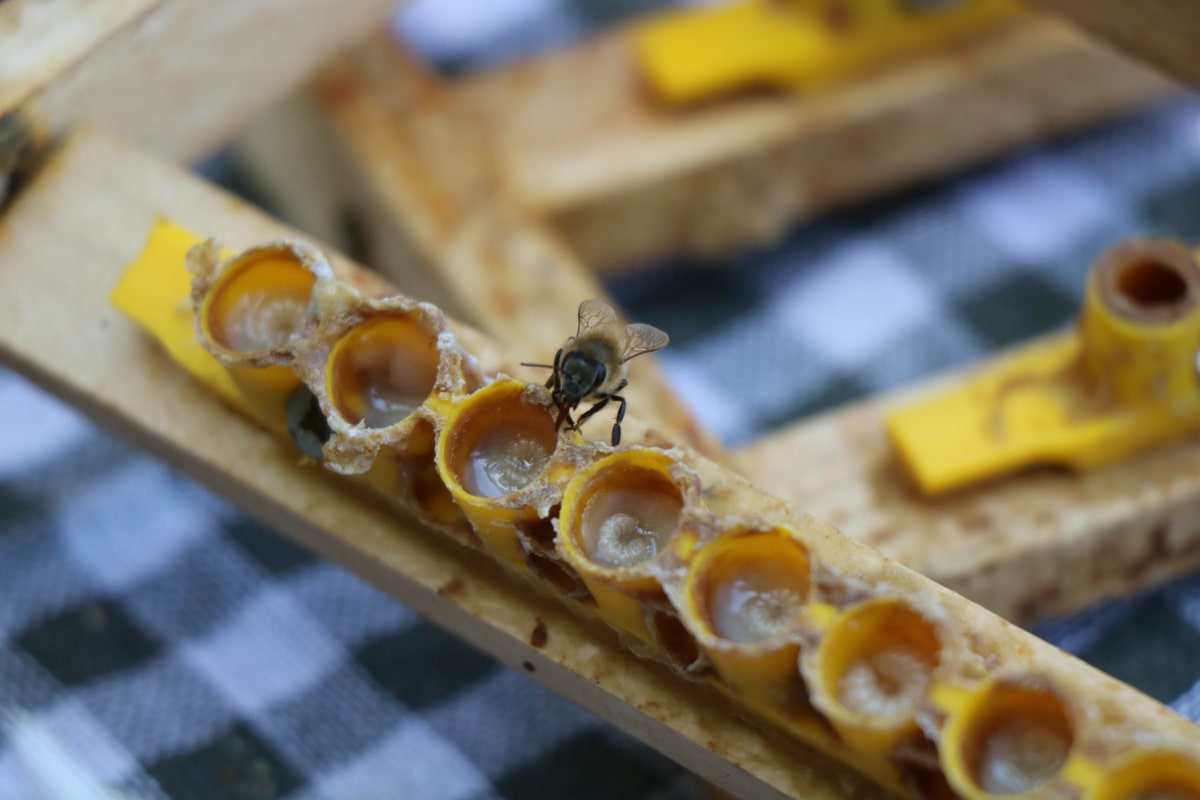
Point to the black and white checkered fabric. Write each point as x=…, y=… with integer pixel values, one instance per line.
x=155, y=641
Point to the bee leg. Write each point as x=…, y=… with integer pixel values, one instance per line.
x=564, y=413
x=616, y=431
x=599, y=405
x=604, y=398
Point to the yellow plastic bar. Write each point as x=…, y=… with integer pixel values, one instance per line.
x=155, y=292
x=693, y=55
x=1125, y=380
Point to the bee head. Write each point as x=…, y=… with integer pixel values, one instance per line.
x=581, y=376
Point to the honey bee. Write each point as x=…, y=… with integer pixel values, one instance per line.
x=591, y=364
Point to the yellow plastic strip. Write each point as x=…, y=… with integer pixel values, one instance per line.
x=693, y=55
x=155, y=292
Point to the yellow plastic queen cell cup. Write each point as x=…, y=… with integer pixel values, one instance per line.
x=1008, y=736
x=617, y=516
x=405, y=467
x=1149, y=775
x=377, y=375
x=253, y=311
x=382, y=370
x=415, y=460
x=744, y=598
x=495, y=443
x=872, y=670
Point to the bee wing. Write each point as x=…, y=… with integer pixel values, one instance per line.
x=595, y=315
x=641, y=338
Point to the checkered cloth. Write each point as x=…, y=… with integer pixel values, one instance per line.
x=167, y=646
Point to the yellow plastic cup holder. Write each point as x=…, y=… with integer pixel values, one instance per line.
x=696, y=54
x=873, y=669
x=495, y=443
x=617, y=516
x=1149, y=775
x=434, y=499
x=1141, y=321
x=1008, y=737
x=1125, y=380
x=382, y=370
x=744, y=597
x=406, y=468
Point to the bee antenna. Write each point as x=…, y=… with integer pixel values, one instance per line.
x=545, y=366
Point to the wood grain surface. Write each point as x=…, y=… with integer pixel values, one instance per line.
x=579, y=141
x=176, y=76
x=1165, y=33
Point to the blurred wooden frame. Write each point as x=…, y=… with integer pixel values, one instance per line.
x=574, y=139
x=1163, y=32
x=500, y=188
x=178, y=77
x=579, y=142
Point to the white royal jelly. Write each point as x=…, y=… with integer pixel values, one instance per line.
x=887, y=681
x=623, y=527
x=1019, y=755
x=501, y=464
x=263, y=320
x=745, y=611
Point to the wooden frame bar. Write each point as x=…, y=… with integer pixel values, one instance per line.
x=1165, y=33
x=93, y=203
x=579, y=142
x=63, y=243
x=176, y=76
x=622, y=181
